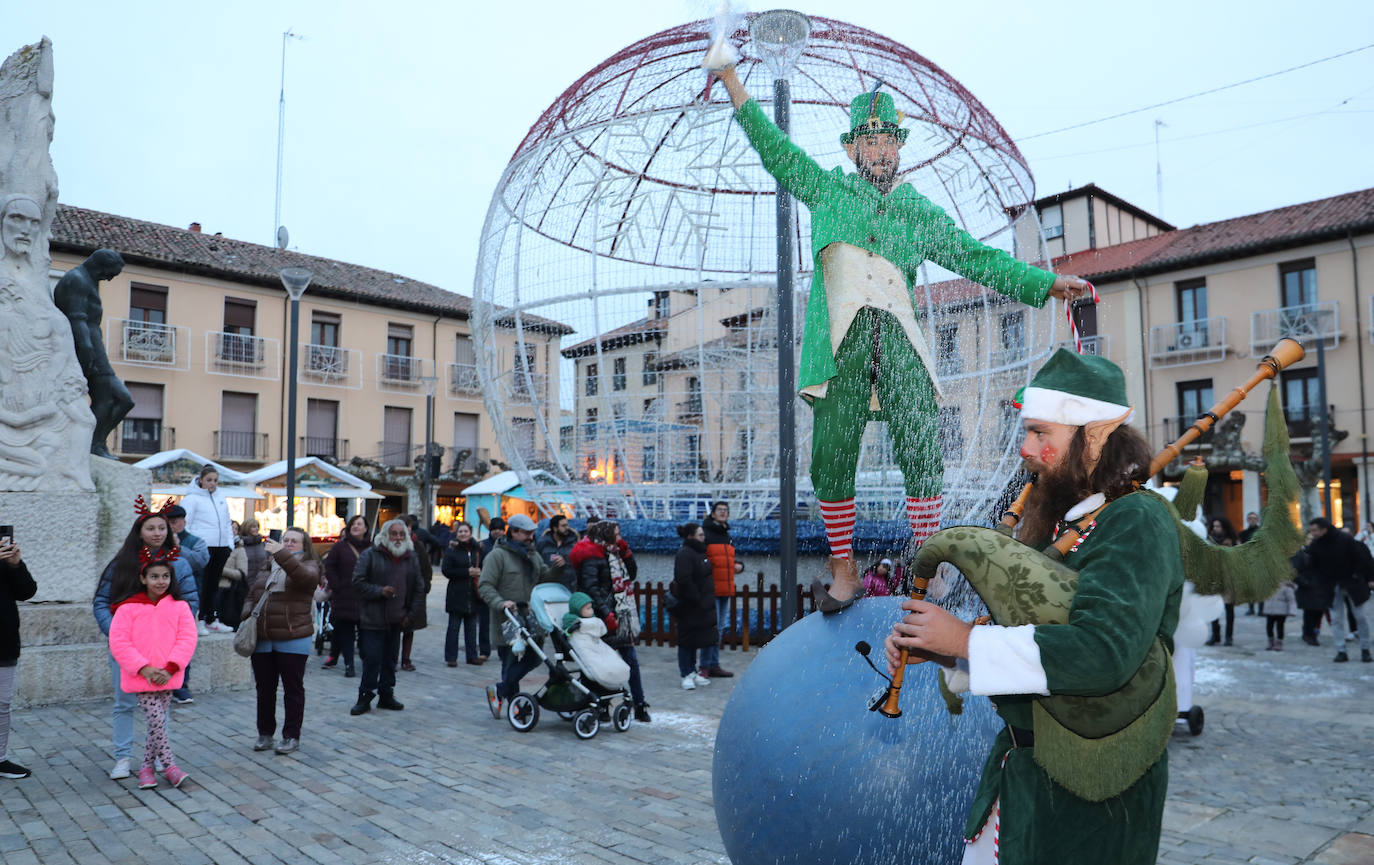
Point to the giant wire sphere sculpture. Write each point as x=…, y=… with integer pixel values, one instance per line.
x=636, y=213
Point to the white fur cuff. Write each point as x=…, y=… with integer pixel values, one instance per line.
x=1005, y=660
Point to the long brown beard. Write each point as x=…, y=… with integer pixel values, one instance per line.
x=1122, y=466
x=1055, y=492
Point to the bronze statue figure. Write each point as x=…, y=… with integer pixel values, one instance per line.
x=78, y=296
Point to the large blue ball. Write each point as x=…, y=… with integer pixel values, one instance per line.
x=805, y=773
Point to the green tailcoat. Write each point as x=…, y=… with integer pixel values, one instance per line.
x=1130, y=582
x=904, y=227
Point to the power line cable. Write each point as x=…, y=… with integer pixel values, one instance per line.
x=1199, y=93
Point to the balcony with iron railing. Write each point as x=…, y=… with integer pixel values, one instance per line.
x=331, y=366
x=144, y=343
x=689, y=410
x=397, y=455
x=332, y=449
x=466, y=460
x=463, y=379
x=240, y=445
x=1178, y=425
x=1306, y=324
x=526, y=387
x=1100, y=345
x=242, y=354
x=142, y=437
x=1304, y=421
x=402, y=373
x=1187, y=342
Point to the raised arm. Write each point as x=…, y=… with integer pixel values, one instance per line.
x=787, y=162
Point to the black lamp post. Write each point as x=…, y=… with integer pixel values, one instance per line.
x=780, y=36
x=295, y=280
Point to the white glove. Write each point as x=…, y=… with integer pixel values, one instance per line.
x=721, y=55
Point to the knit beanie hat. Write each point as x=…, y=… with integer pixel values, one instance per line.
x=575, y=604
x=1076, y=389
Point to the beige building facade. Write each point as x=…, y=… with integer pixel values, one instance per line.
x=1189, y=313
x=197, y=327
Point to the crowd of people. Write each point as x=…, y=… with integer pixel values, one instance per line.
x=1333, y=574
x=189, y=570
x=169, y=585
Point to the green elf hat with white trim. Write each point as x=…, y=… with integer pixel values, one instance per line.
x=1076, y=389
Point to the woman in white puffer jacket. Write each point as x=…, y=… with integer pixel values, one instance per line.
x=207, y=517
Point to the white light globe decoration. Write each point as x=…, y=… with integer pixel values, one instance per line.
x=636, y=209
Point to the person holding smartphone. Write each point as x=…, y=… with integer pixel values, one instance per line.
x=16, y=584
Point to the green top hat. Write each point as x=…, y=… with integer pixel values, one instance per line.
x=873, y=114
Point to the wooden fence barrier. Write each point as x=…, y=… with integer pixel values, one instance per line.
x=754, y=614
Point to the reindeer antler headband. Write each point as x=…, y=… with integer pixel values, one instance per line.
x=159, y=557
x=141, y=508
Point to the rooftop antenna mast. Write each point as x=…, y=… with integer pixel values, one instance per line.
x=281, y=128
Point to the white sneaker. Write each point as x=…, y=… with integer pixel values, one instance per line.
x=700, y=679
x=120, y=770
x=689, y=683
x=201, y=629
x=220, y=628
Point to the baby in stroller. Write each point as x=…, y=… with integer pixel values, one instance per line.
x=597, y=660
x=586, y=676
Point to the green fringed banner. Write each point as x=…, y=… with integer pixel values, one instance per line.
x=1251, y=572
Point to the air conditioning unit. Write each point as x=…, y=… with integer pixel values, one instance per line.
x=1191, y=338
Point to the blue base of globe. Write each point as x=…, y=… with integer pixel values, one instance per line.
x=805, y=773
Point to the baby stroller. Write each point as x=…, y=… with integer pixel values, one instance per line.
x=575, y=696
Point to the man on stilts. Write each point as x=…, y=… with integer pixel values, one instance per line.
x=864, y=356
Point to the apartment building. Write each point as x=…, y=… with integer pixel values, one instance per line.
x=196, y=326
x=1188, y=313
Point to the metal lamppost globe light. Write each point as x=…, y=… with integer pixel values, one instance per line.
x=294, y=280
x=780, y=37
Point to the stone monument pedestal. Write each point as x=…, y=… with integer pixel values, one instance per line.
x=67, y=539
x=65, y=658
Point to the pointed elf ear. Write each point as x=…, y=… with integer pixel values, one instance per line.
x=1096, y=434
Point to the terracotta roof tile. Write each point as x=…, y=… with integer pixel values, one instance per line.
x=81, y=231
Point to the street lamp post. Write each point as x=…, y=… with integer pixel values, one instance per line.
x=429, y=382
x=779, y=37
x=295, y=280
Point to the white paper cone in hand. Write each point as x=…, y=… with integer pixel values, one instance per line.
x=720, y=55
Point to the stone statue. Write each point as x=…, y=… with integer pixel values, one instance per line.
x=45, y=421
x=78, y=296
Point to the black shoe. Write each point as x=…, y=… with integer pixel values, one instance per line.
x=1341, y=658
x=1366, y=657
x=1226, y=642
x=642, y=713
x=9, y=769
x=1311, y=641
x=330, y=664
x=1215, y=641
x=386, y=701
x=826, y=602
x=363, y=706
x=349, y=672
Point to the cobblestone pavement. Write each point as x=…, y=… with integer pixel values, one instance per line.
x=1281, y=774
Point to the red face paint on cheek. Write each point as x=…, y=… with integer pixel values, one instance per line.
x=1048, y=455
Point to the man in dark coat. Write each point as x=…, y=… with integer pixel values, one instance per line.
x=496, y=530
x=1313, y=595
x=509, y=573
x=555, y=545
x=1344, y=564
x=695, y=612
x=390, y=592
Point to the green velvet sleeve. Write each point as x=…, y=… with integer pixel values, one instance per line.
x=787, y=162
x=1130, y=581
x=954, y=249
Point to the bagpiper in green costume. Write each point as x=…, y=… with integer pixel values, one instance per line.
x=864, y=356
x=1080, y=772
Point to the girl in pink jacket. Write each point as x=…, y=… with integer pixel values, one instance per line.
x=152, y=638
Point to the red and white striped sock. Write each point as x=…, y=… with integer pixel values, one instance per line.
x=924, y=516
x=839, y=527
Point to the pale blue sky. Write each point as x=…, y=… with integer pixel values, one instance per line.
x=401, y=116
